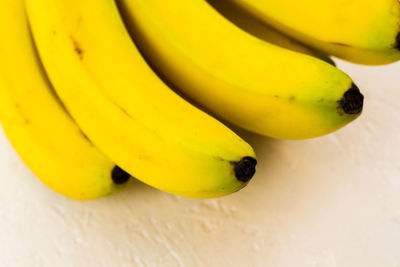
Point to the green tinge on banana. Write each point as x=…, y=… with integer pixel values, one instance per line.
x=360, y=31
x=41, y=131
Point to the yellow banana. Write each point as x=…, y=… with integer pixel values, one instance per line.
x=247, y=22
x=248, y=82
x=361, y=31
x=126, y=110
x=39, y=128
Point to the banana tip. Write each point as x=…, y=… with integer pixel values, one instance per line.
x=245, y=169
x=397, y=44
x=119, y=176
x=352, y=101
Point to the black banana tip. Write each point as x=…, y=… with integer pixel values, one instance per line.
x=245, y=169
x=352, y=101
x=119, y=176
x=397, y=44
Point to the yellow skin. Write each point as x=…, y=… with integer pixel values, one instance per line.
x=361, y=31
x=242, y=79
x=39, y=128
x=252, y=25
x=126, y=110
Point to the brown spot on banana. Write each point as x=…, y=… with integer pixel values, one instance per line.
x=78, y=49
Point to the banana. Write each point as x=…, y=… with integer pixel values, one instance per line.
x=263, y=31
x=39, y=128
x=361, y=31
x=240, y=78
x=126, y=110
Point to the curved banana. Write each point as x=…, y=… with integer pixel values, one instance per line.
x=248, y=82
x=39, y=128
x=361, y=31
x=247, y=22
x=128, y=112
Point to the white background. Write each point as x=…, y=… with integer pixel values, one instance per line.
x=330, y=201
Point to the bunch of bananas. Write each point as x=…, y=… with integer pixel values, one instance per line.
x=85, y=86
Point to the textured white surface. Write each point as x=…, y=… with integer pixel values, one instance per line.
x=331, y=201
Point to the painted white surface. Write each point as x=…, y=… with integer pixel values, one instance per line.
x=331, y=201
